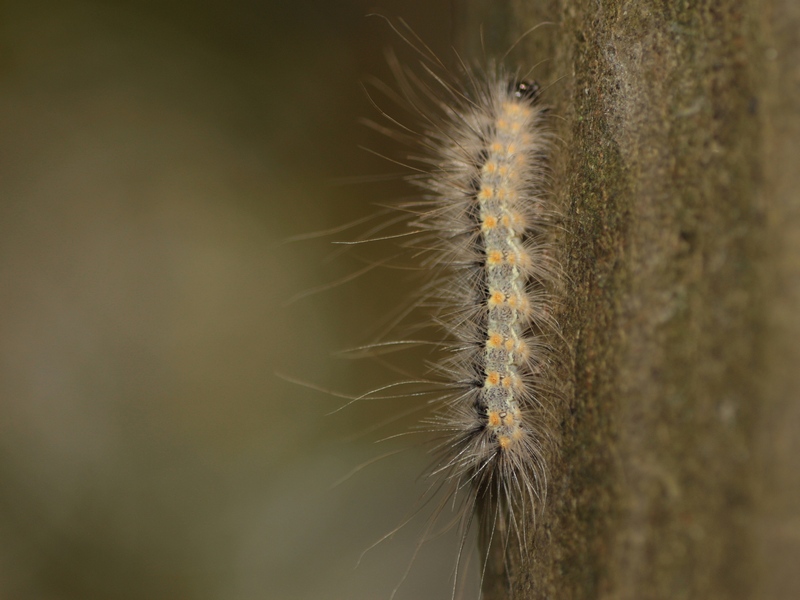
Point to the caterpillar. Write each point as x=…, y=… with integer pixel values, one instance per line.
x=480, y=231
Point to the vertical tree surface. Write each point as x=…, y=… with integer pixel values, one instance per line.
x=678, y=173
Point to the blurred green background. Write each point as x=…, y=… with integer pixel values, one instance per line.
x=155, y=156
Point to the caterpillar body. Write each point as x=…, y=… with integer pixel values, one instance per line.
x=481, y=233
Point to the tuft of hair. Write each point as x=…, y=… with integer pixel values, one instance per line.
x=481, y=233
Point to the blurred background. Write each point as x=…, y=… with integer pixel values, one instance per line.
x=156, y=155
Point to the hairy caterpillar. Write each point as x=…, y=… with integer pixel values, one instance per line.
x=480, y=231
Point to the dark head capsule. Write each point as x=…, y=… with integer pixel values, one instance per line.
x=525, y=90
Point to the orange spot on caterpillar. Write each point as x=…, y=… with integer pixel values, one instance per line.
x=490, y=167
x=513, y=220
x=489, y=222
x=495, y=340
x=504, y=441
x=522, y=351
x=495, y=257
x=496, y=297
x=523, y=259
x=494, y=419
x=524, y=305
x=492, y=378
x=516, y=110
x=520, y=303
x=486, y=193
x=509, y=419
x=512, y=381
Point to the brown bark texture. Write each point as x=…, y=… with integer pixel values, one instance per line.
x=678, y=174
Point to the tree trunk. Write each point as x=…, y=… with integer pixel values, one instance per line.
x=678, y=174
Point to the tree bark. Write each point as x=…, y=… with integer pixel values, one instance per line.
x=678, y=174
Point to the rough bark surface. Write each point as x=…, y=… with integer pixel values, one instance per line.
x=678, y=171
